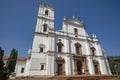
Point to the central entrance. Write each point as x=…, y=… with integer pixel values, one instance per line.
x=80, y=66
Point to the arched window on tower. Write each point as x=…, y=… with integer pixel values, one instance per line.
x=93, y=51
x=60, y=45
x=78, y=48
x=46, y=12
x=45, y=28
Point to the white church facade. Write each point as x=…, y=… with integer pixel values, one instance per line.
x=70, y=51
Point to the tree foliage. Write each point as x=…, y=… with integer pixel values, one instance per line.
x=5, y=71
x=114, y=62
x=1, y=62
x=11, y=62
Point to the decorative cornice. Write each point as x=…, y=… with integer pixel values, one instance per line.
x=95, y=56
x=78, y=56
x=85, y=38
x=57, y=52
x=40, y=33
x=67, y=53
x=47, y=18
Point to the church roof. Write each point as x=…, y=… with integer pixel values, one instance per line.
x=18, y=59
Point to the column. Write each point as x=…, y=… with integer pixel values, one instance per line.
x=75, y=67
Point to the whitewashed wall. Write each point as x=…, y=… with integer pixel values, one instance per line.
x=18, y=67
x=67, y=37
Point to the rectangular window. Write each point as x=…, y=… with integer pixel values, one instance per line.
x=77, y=50
x=45, y=28
x=41, y=49
x=59, y=48
x=42, y=67
x=22, y=70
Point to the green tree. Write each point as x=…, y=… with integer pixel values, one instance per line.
x=1, y=62
x=11, y=62
x=114, y=62
x=5, y=71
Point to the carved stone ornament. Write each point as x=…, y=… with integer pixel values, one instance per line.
x=60, y=59
x=42, y=45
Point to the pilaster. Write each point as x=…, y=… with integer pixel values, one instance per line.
x=90, y=65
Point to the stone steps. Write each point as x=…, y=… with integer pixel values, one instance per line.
x=76, y=77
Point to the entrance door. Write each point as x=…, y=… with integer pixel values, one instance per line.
x=79, y=67
x=59, y=69
x=96, y=69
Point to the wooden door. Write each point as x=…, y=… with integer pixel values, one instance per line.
x=79, y=67
x=96, y=69
x=59, y=69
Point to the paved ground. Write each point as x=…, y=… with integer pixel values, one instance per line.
x=76, y=77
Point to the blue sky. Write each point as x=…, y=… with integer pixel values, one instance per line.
x=18, y=20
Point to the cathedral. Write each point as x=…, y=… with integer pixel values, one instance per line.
x=69, y=51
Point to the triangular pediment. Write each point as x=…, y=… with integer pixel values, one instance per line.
x=74, y=20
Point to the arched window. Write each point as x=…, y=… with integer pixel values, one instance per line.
x=46, y=12
x=45, y=28
x=78, y=48
x=93, y=51
x=60, y=45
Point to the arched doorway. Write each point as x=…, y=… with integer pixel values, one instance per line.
x=79, y=67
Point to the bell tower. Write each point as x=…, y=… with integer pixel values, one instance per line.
x=45, y=18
